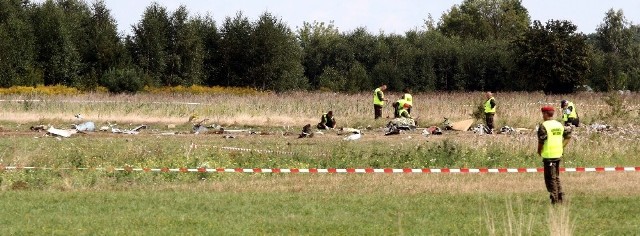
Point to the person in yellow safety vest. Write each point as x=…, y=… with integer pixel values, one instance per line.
x=327, y=121
x=408, y=98
x=569, y=113
x=404, y=111
x=378, y=101
x=489, y=111
x=552, y=138
x=398, y=106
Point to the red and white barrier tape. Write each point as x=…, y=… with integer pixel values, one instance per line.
x=331, y=170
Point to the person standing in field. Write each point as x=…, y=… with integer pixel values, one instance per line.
x=552, y=138
x=489, y=111
x=408, y=98
x=378, y=101
x=569, y=113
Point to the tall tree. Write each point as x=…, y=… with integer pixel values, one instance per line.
x=17, y=45
x=210, y=37
x=105, y=49
x=186, y=52
x=321, y=44
x=149, y=44
x=613, y=40
x=553, y=57
x=485, y=19
x=236, y=51
x=277, y=63
x=58, y=56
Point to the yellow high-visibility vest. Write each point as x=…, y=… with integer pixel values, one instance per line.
x=487, y=106
x=376, y=100
x=553, y=146
x=404, y=113
x=408, y=98
x=401, y=103
x=573, y=114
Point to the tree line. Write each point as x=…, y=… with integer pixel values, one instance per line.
x=478, y=45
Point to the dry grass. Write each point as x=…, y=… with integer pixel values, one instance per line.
x=514, y=109
x=626, y=184
x=559, y=220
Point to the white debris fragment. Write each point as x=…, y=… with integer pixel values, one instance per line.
x=61, y=132
x=352, y=137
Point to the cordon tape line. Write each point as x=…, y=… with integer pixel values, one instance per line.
x=330, y=170
x=256, y=150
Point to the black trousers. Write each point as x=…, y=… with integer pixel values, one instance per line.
x=552, y=179
x=488, y=118
x=377, y=109
x=573, y=121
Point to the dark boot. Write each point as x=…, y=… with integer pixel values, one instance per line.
x=560, y=195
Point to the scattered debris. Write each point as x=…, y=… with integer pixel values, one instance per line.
x=171, y=126
x=135, y=130
x=79, y=116
x=39, y=128
x=434, y=130
x=392, y=130
x=507, y=130
x=85, y=127
x=355, y=134
x=447, y=124
x=229, y=136
x=463, y=125
x=599, y=127
x=105, y=128
x=306, y=132
x=199, y=129
x=61, y=132
x=480, y=129
x=352, y=137
x=346, y=130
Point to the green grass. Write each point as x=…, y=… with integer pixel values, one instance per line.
x=63, y=202
x=215, y=213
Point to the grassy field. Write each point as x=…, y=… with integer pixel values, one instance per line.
x=101, y=202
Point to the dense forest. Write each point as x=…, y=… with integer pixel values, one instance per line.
x=478, y=45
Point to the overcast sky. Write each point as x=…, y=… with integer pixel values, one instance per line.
x=388, y=16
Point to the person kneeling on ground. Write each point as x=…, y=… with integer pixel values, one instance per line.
x=404, y=112
x=398, y=106
x=569, y=113
x=327, y=121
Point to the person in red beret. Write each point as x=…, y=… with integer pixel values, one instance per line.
x=553, y=136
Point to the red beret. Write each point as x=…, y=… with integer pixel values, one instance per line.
x=547, y=108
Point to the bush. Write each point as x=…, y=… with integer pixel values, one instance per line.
x=618, y=108
x=126, y=80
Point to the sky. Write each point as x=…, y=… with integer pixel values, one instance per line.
x=376, y=16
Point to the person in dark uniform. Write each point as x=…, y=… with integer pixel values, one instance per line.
x=327, y=121
x=553, y=136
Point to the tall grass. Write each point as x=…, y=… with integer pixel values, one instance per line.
x=520, y=220
x=291, y=109
x=515, y=222
x=559, y=220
